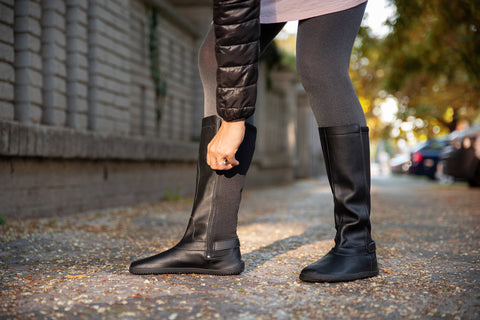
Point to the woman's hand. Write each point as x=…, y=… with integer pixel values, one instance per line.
x=221, y=150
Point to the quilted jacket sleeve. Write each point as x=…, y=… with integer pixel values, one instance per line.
x=237, y=31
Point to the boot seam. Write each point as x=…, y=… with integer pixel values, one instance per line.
x=344, y=129
x=364, y=165
x=327, y=147
x=210, y=243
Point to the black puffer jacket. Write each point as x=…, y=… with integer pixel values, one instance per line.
x=237, y=32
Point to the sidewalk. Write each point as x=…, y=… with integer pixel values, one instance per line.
x=77, y=267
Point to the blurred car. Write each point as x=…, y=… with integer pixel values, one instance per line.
x=461, y=158
x=400, y=164
x=426, y=155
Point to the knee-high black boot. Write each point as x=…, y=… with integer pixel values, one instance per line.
x=347, y=159
x=210, y=244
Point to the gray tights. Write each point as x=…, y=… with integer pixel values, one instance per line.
x=324, y=46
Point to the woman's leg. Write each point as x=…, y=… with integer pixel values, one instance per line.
x=210, y=244
x=324, y=46
x=225, y=224
x=207, y=66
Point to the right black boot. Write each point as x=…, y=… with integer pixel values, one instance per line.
x=210, y=244
x=347, y=159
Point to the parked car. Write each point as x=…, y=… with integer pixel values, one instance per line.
x=461, y=158
x=426, y=155
x=400, y=163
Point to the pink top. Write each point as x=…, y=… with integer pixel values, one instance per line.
x=272, y=11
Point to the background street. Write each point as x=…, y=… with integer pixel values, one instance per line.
x=427, y=237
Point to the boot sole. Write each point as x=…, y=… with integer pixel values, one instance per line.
x=221, y=272
x=338, y=278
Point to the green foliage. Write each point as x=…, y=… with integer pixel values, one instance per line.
x=430, y=62
x=172, y=195
x=368, y=77
x=431, y=59
x=271, y=56
x=276, y=59
x=3, y=220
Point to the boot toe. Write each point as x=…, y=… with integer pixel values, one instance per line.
x=146, y=265
x=338, y=268
x=185, y=261
x=171, y=261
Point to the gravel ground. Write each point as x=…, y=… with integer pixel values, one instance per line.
x=76, y=267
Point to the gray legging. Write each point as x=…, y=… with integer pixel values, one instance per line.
x=324, y=46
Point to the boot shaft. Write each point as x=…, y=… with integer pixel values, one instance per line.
x=210, y=244
x=218, y=193
x=347, y=159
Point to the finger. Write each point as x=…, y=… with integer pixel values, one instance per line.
x=232, y=161
x=209, y=162
x=221, y=164
x=211, y=155
x=224, y=167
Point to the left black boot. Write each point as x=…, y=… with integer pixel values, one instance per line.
x=210, y=244
x=347, y=159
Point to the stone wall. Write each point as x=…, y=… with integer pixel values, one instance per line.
x=76, y=96
x=50, y=187
x=86, y=65
x=82, y=124
x=177, y=66
x=7, y=60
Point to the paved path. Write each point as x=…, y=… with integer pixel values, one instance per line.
x=76, y=267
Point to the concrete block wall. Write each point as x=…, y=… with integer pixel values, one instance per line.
x=60, y=72
x=200, y=13
x=31, y=37
x=125, y=95
x=177, y=51
x=7, y=56
x=82, y=60
x=56, y=135
x=113, y=66
x=273, y=116
x=32, y=188
x=78, y=121
x=142, y=113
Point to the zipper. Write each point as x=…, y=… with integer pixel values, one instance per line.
x=209, y=249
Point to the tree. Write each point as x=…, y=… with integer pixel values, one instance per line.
x=367, y=75
x=431, y=61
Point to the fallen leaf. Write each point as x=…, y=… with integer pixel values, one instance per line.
x=77, y=277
